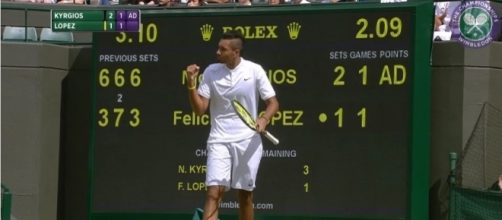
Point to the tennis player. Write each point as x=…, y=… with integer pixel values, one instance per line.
x=234, y=151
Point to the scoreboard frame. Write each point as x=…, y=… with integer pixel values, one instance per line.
x=421, y=22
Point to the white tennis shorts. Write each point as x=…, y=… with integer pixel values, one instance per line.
x=234, y=165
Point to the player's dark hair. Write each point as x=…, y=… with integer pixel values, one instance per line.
x=229, y=35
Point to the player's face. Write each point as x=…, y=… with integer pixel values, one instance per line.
x=226, y=52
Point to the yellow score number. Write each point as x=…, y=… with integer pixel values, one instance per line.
x=115, y=116
x=383, y=28
x=306, y=169
x=306, y=172
x=361, y=114
x=147, y=35
x=340, y=73
x=392, y=75
x=119, y=78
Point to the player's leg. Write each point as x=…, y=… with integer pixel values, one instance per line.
x=246, y=211
x=213, y=199
x=218, y=173
x=500, y=182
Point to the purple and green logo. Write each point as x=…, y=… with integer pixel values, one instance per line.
x=477, y=23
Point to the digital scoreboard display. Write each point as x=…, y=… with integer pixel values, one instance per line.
x=95, y=20
x=352, y=82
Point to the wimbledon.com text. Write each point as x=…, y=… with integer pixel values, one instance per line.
x=235, y=205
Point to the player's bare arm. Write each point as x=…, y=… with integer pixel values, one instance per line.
x=272, y=108
x=199, y=104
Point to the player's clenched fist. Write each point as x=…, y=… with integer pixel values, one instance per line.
x=192, y=72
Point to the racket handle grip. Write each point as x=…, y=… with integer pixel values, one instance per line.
x=271, y=138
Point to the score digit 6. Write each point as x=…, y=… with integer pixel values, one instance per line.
x=118, y=77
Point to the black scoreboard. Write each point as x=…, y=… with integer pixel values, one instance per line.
x=353, y=85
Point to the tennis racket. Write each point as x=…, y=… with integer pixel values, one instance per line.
x=249, y=121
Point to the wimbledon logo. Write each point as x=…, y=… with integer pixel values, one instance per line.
x=477, y=23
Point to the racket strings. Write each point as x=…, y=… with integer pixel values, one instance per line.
x=245, y=115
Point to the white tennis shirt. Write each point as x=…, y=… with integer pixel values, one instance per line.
x=245, y=83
